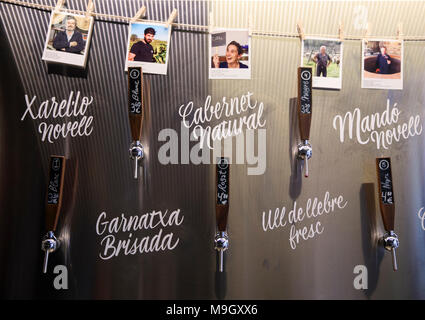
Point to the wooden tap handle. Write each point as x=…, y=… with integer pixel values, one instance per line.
x=222, y=192
x=54, y=191
x=386, y=194
x=135, y=101
x=305, y=78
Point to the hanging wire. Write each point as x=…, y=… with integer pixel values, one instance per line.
x=204, y=28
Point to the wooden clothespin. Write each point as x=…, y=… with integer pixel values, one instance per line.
x=90, y=8
x=250, y=26
x=400, y=31
x=59, y=4
x=341, y=31
x=367, y=33
x=139, y=14
x=173, y=15
x=300, y=30
x=211, y=22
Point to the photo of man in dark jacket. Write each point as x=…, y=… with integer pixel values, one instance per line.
x=69, y=40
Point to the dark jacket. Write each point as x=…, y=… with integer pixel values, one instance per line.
x=382, y=64
x=61, y=42
x=225, y=65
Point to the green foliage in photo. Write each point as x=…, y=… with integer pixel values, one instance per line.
x=333, y=68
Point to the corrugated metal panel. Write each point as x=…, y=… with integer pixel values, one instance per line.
x=259, y=265
x=274, y=69
x=321, y=17
x=99, y=155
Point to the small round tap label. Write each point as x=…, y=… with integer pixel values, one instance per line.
x=134, y=73
x=306, y=75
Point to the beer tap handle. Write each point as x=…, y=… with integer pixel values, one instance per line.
x=221, y=240
x=54, y=191
x=53, y=205
x=222, y=193
x=136, y=106
x=135, y=101
x=387, y=206
x=305, y=75
x=386, y=194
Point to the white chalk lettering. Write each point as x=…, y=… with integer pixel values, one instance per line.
x=374, y=128
x=112, y=230
x=74, y=106
x=313, y=210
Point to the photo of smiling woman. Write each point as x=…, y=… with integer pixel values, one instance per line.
x=233, y=55
x=229, y=52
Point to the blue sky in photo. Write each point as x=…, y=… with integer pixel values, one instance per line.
x=139, y=29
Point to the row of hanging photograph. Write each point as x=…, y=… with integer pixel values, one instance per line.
x=68, y=41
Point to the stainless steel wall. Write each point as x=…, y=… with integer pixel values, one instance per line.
x=258, y=264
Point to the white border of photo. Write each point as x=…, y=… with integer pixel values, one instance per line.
x=73, y=59
x=149, y=67
x=215, y=73
x=385, y=84
x=328, y=82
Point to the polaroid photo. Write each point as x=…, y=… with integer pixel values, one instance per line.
x=68, y=39
x=325, y=57
x=382, y=64
x=147, y=47
x=229, y=54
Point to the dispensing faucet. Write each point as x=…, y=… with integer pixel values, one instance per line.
x=390, y=242
x=305, y=75
x=304, y=153
x=136, y=106
x=50, y=243
x=136, y=154
x=221, y=239
x=221, y=242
